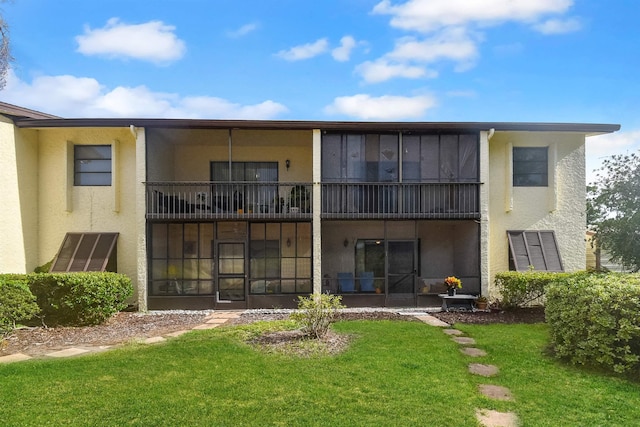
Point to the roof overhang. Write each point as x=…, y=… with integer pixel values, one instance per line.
x=583, y=128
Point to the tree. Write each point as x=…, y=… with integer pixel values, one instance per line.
x=613, y=209
x=5, y=51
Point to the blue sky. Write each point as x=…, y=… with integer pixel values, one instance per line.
x=413, y=60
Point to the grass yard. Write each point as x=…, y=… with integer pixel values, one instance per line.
x=547, y=392
x=394, y=373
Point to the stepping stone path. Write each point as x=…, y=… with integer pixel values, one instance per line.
x=485, y=417
x=213, y=320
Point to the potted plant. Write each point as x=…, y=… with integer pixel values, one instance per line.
x=481, y=302
x=452, y=283
x=299, y=199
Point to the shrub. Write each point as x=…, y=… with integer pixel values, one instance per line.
x=518, y=289
x=80, y=298
x=595, y=320
x=17, y=303
x=316, y=313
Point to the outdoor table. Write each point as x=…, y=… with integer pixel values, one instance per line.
x=457, y=301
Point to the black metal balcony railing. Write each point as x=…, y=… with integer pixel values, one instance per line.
x=206, y=200
x=282, y=200
x=400, y=200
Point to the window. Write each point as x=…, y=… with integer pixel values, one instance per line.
x=440, y=158
x=92, y=165
x=181, y=259
x=537, y=249
x=86, y=252
x=280, y=258
x=530, y=166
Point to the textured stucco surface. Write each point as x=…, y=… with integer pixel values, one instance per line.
x=560, y=208
x=92, y=209
x=19, y=207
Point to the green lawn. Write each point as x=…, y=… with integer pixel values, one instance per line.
x=394, y=373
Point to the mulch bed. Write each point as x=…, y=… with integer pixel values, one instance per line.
x=125, y=327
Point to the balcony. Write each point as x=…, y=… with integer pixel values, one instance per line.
x=401, y=200
x=237, y=200
x=293, y=200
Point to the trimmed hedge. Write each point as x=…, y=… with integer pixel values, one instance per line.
x=595, y=320
x=17, y=303
x=80, y=298
x=521, y=288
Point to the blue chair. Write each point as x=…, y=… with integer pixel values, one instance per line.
x=366, y=281
x=346, y=282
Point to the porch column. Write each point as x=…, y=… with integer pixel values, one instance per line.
x=485, y=258
x=316, y=236
x=141, y=222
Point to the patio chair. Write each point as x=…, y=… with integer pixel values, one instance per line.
x=346, y=282
x=366, y=281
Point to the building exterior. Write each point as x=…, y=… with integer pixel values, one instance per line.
x=235, y=214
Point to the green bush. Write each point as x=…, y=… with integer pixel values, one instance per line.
x=17, y=303
x=519, y=289
x=79, y=298
x=595, y=320
x=316, y=313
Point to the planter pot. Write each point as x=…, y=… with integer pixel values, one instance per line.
x=451, y=291
x=481, y=305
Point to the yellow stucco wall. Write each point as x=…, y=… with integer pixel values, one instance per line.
x=559, y=207
x=66, y=208
x=19, y=207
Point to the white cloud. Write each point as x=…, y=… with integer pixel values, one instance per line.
x=382, y=70
x=366, y=107
x=243, y=30
x=152, y=41
x=453, y=44
x=343, y=52
x=70, y=96
x=558, y=26
x=305, y=51
x=450, y=30
x=431, y=15
x=598, y=148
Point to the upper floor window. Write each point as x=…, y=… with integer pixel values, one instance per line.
x=530, y=166
x=92, y=165
x=440, y=158
x=360, y=158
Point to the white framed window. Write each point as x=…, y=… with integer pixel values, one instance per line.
x=92, y=165
x=530, y=166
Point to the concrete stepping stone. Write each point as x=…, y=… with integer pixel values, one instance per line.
x=483, y=370
x=432, y=321
x=495, y=392
x=489, y=418
x=177, y=333
x=17, y=357
x=464, y=340
x=154, y=340
x=217, y=320
x=206, y=326
x=452, y=332
x=473, y=352
x=68, y=352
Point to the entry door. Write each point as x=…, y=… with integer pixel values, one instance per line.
x=401, y=270
x=231, y=277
